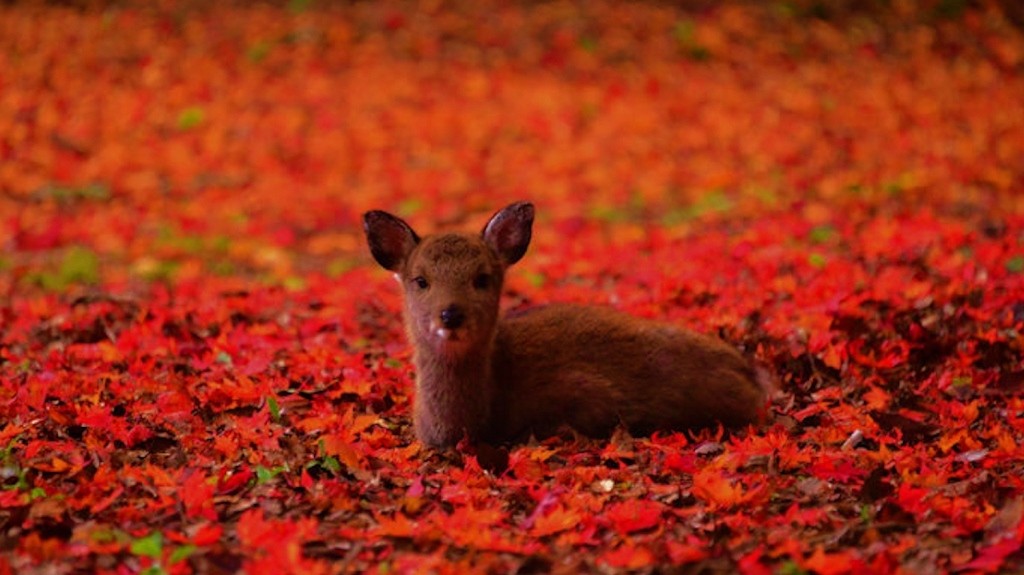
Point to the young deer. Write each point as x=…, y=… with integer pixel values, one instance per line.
x=591, y=368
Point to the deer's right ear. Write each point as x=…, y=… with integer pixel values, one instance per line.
x=391, y=239
x=508, y=233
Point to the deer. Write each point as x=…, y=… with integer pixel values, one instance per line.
x=496, y=379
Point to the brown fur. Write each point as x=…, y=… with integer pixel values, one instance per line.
x=587, y=367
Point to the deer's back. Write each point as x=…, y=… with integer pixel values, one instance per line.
x=593, y=367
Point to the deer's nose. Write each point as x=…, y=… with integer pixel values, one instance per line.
x=452, y=317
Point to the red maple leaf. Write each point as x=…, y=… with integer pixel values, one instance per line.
x=633, y=515
x=990, y=558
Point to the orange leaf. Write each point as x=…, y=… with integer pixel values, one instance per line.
x=830, y=563
x=343, y=450
x=559, y=519
x=712, y=487
x=397, y=526
x=628, y=557
x=877, y=398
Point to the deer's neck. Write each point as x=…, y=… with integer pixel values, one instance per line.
x=454, y=393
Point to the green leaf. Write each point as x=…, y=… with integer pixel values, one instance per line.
x=94, y=192
x=325, y=462
x=685, y=35
x=535, y=279
x=299, y=6
x=766, y=196
x=791, y=568
x=332, y=464
x=163, y=270
x=110, y=536
x=87, y=192
x=223, y=268
x=22, y=474
x=339, y=266
x=219, y=244
x=894, y=189
x=264, y=474
x=1015, y=264
x=182, y=553
x=294, y=283
x=962, y=381
x=7, y=452
x=816, y=260
x=865, y=514
x=257, y=52
x=275, y=409
x=409, y=207
x=589, y=110
x=822, y=234
x=151, y=545
x=224, y=358
x=684, y=32
x=716, y=201
x=713, y=202
x=191, y=117
x=699, y=53
x=608, y=213
x=950, y=9
x=80, y=265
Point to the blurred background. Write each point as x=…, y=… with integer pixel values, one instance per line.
x=172, y=141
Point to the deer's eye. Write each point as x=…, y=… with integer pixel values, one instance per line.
x=482, y=281
x=421, y=282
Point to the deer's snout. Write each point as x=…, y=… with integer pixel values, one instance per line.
x=452, y=317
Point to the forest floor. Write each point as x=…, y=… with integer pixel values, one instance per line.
x=202, y=370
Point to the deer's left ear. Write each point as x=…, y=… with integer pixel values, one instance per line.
x=391, y=239
x=509, y=231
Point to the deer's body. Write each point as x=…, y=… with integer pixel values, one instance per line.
x=612, y=367
x=590, y=368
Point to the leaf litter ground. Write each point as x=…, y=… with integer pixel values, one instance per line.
x=200, y=370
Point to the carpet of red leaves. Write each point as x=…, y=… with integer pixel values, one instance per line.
x=201, y=370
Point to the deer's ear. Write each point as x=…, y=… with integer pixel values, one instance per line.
x=391, y=239
x=508, y=232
